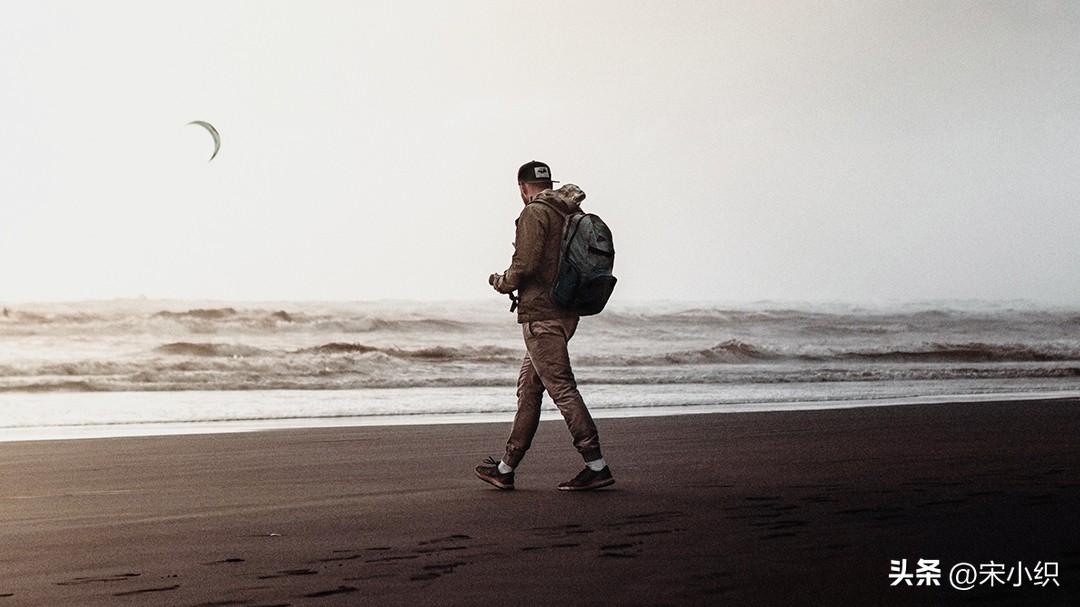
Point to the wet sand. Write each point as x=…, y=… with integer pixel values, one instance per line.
x=784, y=508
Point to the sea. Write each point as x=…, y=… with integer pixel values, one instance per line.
x=149, y=367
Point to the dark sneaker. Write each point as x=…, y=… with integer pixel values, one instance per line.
x=489, y=473
x=588, y=479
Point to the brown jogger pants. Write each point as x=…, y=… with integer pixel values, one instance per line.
x=547, y=366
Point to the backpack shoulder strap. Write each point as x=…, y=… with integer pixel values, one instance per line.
x=547, y=204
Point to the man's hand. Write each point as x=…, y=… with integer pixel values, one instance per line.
x=498, y=281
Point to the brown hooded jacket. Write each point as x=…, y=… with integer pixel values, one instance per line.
x=537, y=247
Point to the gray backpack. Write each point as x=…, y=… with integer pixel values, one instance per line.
x=584, y=282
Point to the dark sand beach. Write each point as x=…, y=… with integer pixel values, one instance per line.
x=788, y=508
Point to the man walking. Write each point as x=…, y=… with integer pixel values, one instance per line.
x=546, y=329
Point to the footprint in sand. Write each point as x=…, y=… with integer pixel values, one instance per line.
x=449, y=538
x=944, y=502
x=781, y=524
x=438, y=544
x=445, y=567
x=288, y=573
x=334, y=591
x=829, y=486
x=652, y=532
x=336, y=559
x=773, y=536
x=818, y=499
x=423, y=577
x=646, y=518
x=225, y=561
x=147, y=590
x=561, y=530
x=547, y=546
x=373, y=576
x=879, y=510
x=120, y=577
x=440, y=549
x=621, y=551
x=433, y=571
x=987, y=493
x=637, y=525
x=388, y=559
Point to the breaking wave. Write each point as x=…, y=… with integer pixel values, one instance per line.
x=739, y=352
x=219, y=320
x=278, y=320
x=184, y=348
x=313, y=378
x=171, y=346
x=732, y=351
x=200, y=313
x=970, y=352
x=433, y=353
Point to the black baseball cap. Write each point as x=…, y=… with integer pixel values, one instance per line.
x=535, y=171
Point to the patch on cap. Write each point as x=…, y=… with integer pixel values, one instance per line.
x=535, y=171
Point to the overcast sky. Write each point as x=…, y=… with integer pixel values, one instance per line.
x=852, y=151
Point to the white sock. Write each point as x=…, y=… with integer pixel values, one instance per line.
x=504, y=469
x=596, y=465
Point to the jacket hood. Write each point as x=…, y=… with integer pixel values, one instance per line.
x=568, y=198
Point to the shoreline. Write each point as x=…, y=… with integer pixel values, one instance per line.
x=231, y=426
